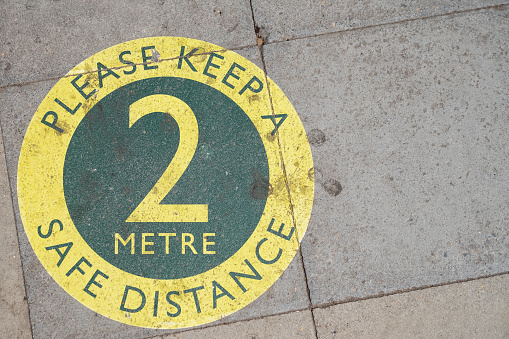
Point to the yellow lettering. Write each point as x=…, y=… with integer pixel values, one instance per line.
x=188, y=243
x=145, y=243
x=207, y=243
x=167, y=237
x=124, y=242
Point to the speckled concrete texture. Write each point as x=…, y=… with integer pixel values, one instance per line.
x=290, y=19
x=14, y=318
x=292, y=325
x=41, y=39
x=405, y=105
x=414, y=128
x=474, y=309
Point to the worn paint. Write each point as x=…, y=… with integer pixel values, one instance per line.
x=178, y=266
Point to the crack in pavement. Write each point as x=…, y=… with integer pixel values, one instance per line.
x=158, y=60
x=389, y=23
x=261, y=40
x=327, y=305
x=264, y=41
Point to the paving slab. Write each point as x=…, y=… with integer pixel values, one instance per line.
x=409, y=131
x=474, y=309
x=18, y=104
x=42, y=39
x=291, y=325
x=408, y=128
x=289, y=19
x=14, y=318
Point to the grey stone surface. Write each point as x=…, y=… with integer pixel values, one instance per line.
x=411, y=120
x=287, y=294
x=41, y=38
x=17, y=106
x=408, y=126
x=287, y=19
x=14, y=318
x=475, y=309
x=291, y=325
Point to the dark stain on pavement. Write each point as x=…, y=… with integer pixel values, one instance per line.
x=332, y=187
x=311, y=173
x=316, y=137
x=260, y=187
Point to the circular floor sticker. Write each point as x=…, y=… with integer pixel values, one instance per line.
x=165, y=182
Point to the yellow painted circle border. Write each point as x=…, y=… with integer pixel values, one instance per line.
x=41, y=195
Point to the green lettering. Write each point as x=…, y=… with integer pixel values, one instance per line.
x=211, y=64
x=77, y=266
x=231, y=74
x=251, y=88
x=100, y=68
x=195, y=295
x=92, y=281
x=127, y=62
x=255, y=275
x=279, y=232
x=186, y=58
x=147, y=58
x=80, y=88
x=52, y=124
x=67, y=108
x=282, y=118
x=264, y=261
x=156, y=303
x=215, y=296
x=50, y=228
x=124, y=299
x=57, y=248
x=173, y=303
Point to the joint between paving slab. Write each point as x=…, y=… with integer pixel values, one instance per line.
x=260, y=42
x=406, y=290
x=383, y=24
x=280, y=149
x=17, y=236
x=260, y=317
x=264, y=42
x=25, y=83
x=346, y=301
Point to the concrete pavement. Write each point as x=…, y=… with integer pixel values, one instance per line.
x=405, y=107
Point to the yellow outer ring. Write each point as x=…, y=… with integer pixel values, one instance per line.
x=41, y=194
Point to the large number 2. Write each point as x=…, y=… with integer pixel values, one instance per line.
x=150, y=209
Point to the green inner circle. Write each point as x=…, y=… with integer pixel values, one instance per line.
x=109, y=168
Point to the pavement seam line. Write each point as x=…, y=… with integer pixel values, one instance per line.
x=327, y=305
x=407, y=290
x=260, y=43
x=452, y=13
x=17, y=234
x=25, y=83
x=263, y=62
x=390, y=23
x=260, y=317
